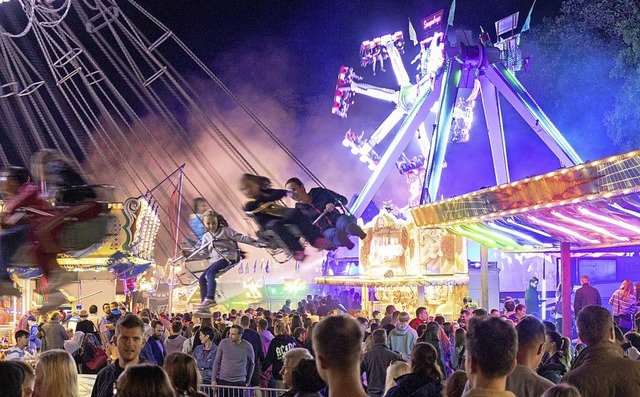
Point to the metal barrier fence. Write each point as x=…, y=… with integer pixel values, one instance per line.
x=240, y=391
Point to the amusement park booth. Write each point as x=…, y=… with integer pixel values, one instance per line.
x=409, y=266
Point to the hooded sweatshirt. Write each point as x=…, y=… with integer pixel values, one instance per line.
x=402, y=339
x=174, y=343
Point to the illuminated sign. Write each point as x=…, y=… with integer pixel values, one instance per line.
x=432, y=21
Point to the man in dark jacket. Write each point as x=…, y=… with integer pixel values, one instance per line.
x=253, y=338
x=129, y=339
x=601, y=368
x=335, y=226
x=586, y=295
x=376, y=361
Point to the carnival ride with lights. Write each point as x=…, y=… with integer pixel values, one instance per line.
x=444, y=69
x=93, y=79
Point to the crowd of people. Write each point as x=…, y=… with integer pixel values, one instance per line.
x=341, y=350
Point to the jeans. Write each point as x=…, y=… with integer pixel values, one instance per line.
x=207, y=280
x=342, y=223
x=10, y=241
x=293, y=216
x=225, y=392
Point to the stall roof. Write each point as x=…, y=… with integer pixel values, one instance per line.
x=591, y=205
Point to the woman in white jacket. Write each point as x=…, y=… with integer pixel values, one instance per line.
x=219, y=245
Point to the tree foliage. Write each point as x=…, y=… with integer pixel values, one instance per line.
x=586, y=67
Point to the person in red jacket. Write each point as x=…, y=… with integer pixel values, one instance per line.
x=422, y=317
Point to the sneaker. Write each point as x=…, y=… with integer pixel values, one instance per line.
x=8, y=288
x=202, y=313
x=299, y=256
x=206, y=304
x=322, y=243
x=345, y=241
x=356, y=230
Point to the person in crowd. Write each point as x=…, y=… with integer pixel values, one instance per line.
x=624, y=305
x=323, y=309
x=18, y=351
x=425, y=378
x=628, y=349
x=219, y=245
x=73, y=346
x=319, y=206
x=395, y=370
x=422, y=317
x=300, y=335
x=291, y=360
x=455, y=384
x=585, y=295
x=388, y=315
x=375, y=363
x=97, y=322
x=286, y=308
x=557, y=359
x=11, y=379
x=144, y=380
x=601, y=368
x=274, y=217
x=34, y=342
x=253, y=338
x=431, y=336
x=562, y=390
x=458, y=354
x=154, y=351
x=129, y=340
x=85, y=325
x=205, y=354
x=195, y=221
x=313, y=315
x=509, y=308
x=233, y=365
x=469, y=304
x=275, y=355
x=56, y=375
x=182, y=370
x=491, y=355
x=632, y=345
x=403, y=337
x=306, y=379
x=494, y=313
x=53, y=334
x=175, y=341
x=188, y=345
x=29, y=381
x=531, y=297
x=337, y=341
x=524, y=381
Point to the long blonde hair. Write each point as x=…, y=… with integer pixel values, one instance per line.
x=58, y=375
x=395, y=370
x=626, y=290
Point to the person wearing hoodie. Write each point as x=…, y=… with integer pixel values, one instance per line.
x=175, y=341
x=425, y=378
x=403, y=337
x=279, y=345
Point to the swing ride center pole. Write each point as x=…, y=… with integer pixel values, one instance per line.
x=176, y=247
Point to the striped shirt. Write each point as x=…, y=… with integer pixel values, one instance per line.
x=621, y=306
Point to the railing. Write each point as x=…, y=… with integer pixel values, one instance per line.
x=240, y=391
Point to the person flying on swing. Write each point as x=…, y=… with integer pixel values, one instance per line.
x=275, y=217
x=320, y=204
x=219, y=245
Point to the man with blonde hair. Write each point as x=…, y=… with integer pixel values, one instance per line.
x=402, y=338
x=337, y=341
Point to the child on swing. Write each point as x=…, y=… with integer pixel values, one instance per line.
x=275, y=217
x=219, y=244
